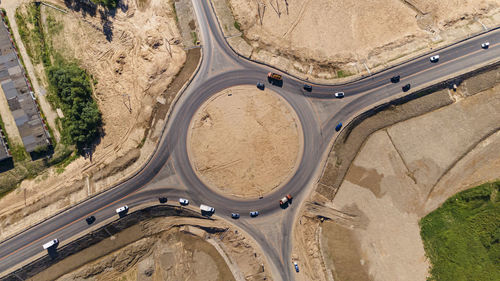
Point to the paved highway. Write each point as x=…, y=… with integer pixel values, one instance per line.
x=222, y=68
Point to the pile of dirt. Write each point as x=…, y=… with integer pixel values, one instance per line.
x=402, y=173
x=245, y=142
x=331, y=39
x=133, y=54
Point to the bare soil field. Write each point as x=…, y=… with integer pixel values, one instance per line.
x=164, y=249
x=324, y=39
x=128, y=56
x=400, y=174
x=245, y=142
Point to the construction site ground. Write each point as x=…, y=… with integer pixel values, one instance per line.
x=138, y=75
x=165, y=249
x=402, y=172
x=323, y=40
x=245, y=142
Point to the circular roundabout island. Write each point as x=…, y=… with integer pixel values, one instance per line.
x=245, y=142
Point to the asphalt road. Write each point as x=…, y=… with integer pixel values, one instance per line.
x=222, y=68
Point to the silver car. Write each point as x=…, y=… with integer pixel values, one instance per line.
x=339, y=95
x=434, y=58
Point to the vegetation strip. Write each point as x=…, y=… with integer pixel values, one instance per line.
x=462, y=237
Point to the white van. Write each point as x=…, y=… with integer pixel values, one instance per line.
x=205, y=208
x=50, y=244
x=123, y=209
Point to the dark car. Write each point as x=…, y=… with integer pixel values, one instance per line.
x=296, y=265
x=90, y=220
x=163, y=199
x=254, y=214
x=338, y=127
x=235, y=216
x=406, y=87
x=395, y=79
x=261, y=85
x=308, y=87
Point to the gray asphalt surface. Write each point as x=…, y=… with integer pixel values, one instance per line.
x=222, y=68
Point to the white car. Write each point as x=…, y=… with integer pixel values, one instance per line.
x=435, y=58
x=485, y=45
x=50, y=244
x=339, y=95
x=183, y=202
x=122, y=209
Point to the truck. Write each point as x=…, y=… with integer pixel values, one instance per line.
x=50, y=244
x=208, y=209
x=285, y=199
x=122, y=210
x=274, y=76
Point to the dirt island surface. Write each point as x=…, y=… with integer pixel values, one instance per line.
x=325, y=39
x=245, y=142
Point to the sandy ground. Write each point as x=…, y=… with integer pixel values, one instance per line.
x=245, y=142
x=402, y=173
x=318, y=38
x=164, y=249
x=133, y=70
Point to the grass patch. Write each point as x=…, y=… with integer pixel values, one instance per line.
x=343, y=73
x=31, y=32
x=18, y=152
x=237, y=25
x=109, y=4
x=195, y=37
x=462, y=237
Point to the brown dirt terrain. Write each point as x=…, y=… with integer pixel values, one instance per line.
x=136, y=63
x=245, y=142
x=401, y=173
x=163, y=249
x=326, y=39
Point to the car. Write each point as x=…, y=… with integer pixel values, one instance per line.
x=485, y=45
x=296, y=265
x=261, y=85
x=308, y=87
x=183, y=202
x=122, y=210
x=163, y=199
x=434, y=58
x=50, y=244
x=395, y=79
x=339, y=95
x=90, y=220
x=338, y=127
x=235, y=216
x=253, y=214
x=406, y=88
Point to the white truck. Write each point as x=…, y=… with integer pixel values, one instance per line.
x=122, y=210
x=208, y=209
x=49, y=244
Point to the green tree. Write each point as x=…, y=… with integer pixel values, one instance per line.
x=73, y=91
